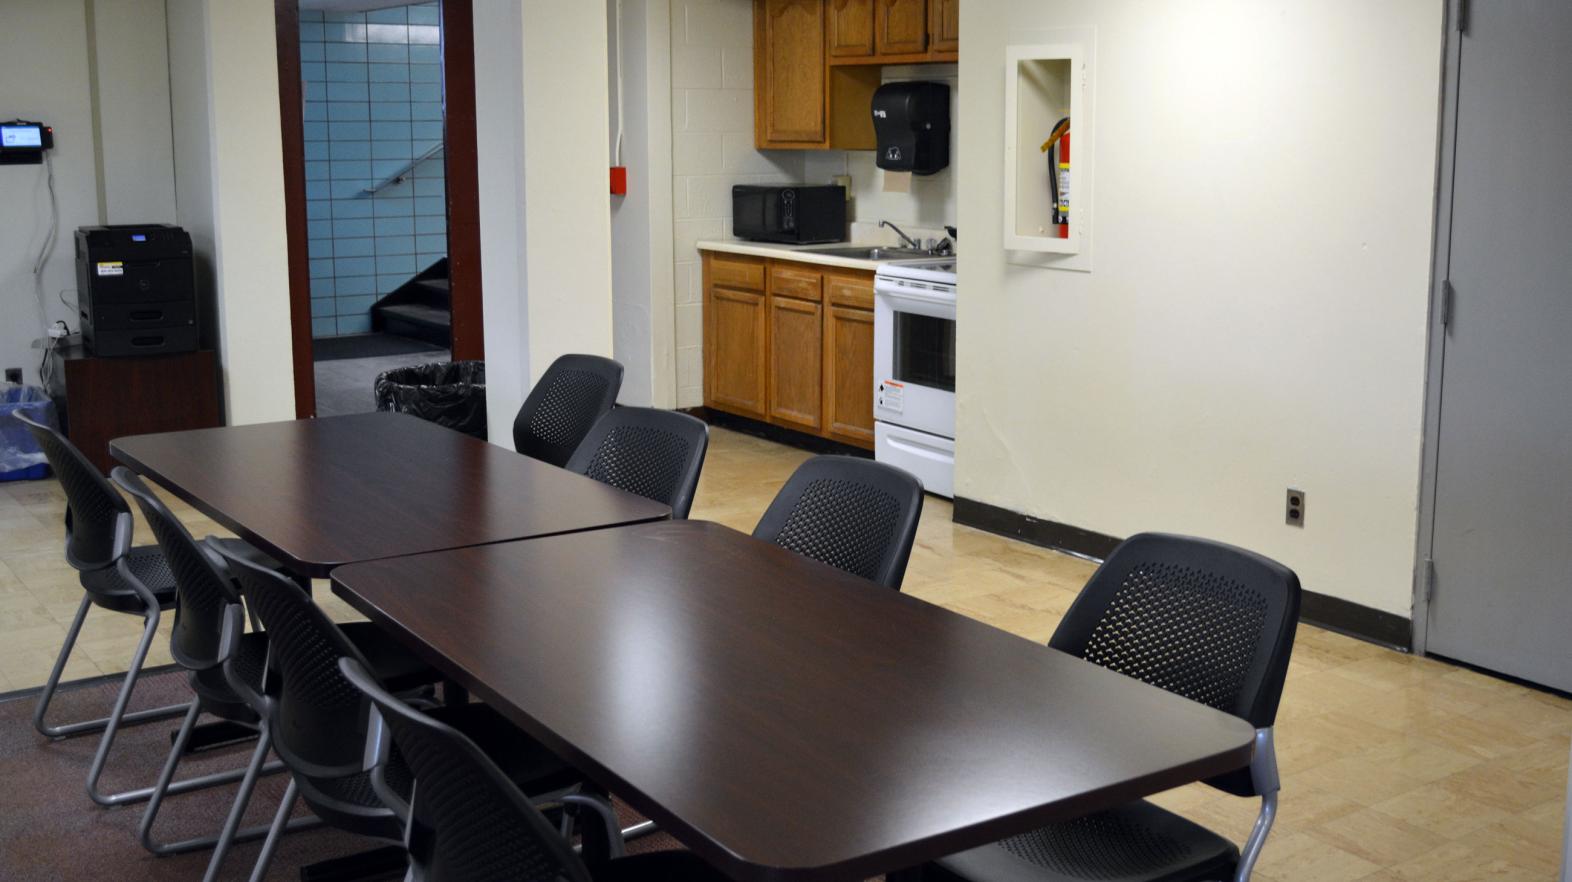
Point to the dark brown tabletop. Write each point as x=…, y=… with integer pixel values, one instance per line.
x=319, y=493
x=782, y=718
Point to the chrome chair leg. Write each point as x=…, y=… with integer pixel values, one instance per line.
x=280, y=820
x=166, y=786
x=112, y=728
x=232, y=832
x=86, y=727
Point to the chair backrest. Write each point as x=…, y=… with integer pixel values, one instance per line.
x=1201, y=619
x=203, y=592
x=854, y=514
x=654, y=453
x=317, y=718
x=468, y=822
x=565, y=403
x=95, y=514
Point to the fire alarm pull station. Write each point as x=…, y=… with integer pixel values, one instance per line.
x=24, y=143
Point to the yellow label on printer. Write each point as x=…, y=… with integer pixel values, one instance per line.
x=111, y=268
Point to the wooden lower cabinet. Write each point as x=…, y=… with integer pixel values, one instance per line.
x=735, y=351
x=791, y=344
x=848, y=375
x=796, y=362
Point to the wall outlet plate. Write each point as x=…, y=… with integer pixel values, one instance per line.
x=1294, y=510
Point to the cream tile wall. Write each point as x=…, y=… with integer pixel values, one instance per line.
x=712, y=149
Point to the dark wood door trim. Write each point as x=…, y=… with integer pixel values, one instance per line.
x=463, y=180
x=286, y=15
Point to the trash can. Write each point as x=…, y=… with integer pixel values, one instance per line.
x=20, y=457
x=451, y=394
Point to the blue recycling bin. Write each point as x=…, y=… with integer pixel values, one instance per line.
x=20, y=457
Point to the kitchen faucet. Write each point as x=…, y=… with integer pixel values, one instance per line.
x=908, y=240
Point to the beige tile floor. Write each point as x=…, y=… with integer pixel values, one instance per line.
x=1394, y=767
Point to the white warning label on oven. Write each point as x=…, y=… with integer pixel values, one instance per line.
x=111, y=268
x=892, y=395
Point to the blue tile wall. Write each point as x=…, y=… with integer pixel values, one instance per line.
x=373, y=92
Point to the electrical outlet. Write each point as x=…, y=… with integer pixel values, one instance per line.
x=1295, y=516
x=13, y=375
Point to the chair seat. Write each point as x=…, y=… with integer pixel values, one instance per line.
x=659, y=866
x=109, y=590
x=1138, y=842
x=398, y=668
x=212, y=687
x=351, y=802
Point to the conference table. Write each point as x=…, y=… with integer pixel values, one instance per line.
x=784, y=719
x=315, y=494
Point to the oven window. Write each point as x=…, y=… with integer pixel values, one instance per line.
x=925, y=350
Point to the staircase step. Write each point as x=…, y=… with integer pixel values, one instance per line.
x=419, y=314
x=442, y=285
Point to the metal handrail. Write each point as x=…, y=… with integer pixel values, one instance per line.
x=403, y=174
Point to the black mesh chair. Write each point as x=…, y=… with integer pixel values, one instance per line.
x=226, y=668
x=854, y=514
x=567, y=400
x=654, y=453
x=469, y=823
x=1204, y=620
x=115, y=576
x=317, y=720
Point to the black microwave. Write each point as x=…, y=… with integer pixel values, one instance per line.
x=793, y=215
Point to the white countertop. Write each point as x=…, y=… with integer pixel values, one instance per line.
x=792, y=252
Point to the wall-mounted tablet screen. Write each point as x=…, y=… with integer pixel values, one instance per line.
x=21, y=136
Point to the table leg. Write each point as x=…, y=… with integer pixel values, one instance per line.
x=454, y=695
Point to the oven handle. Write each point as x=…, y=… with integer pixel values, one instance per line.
x=938, y=307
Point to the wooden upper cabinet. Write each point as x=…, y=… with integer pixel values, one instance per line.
x=901, y=27
x=789, y=73
x=944, y=25
x=851, y=28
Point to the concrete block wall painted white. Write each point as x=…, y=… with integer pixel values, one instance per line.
x=1249, y=324
x=46, y=65
x=711, y=150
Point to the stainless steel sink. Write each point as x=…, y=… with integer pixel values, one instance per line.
x=866, y=253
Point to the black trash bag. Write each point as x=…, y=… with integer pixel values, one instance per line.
x=451, y=394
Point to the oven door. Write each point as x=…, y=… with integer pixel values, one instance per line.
x=914, y=357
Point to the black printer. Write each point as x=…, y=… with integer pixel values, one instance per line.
x=136, y=289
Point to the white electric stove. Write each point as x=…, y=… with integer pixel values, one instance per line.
x=914, y=369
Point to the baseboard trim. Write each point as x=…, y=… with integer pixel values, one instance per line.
x=1324, y=611
x=1038, y=531
x=96, y=680
x=772, y=432
x=1360, y=622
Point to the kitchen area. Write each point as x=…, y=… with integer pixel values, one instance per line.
x=828, y=301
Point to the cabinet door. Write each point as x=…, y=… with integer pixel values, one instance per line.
x=848, y=375
x=796, y=356
x=789, y=71
x=851, y=28
x=734, y=351
x=902, y=27
x=944, y=25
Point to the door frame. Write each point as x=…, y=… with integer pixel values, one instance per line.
x=1456, y=27
x=462, y=188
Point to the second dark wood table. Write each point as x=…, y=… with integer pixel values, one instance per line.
x=780, y=717
x=315, y=494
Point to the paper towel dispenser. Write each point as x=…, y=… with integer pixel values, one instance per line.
x=912, y=122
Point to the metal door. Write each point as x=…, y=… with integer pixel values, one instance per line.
x=1501, y=538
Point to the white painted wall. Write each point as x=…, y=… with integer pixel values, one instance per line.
x=545, y=219
x=1256, y=316
x=643, y=295
x=711, y=149
x=49, y=54
x=223, y=70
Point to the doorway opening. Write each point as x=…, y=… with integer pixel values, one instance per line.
x=381, y=191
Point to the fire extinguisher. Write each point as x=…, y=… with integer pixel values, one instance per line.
x=1058, y=149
